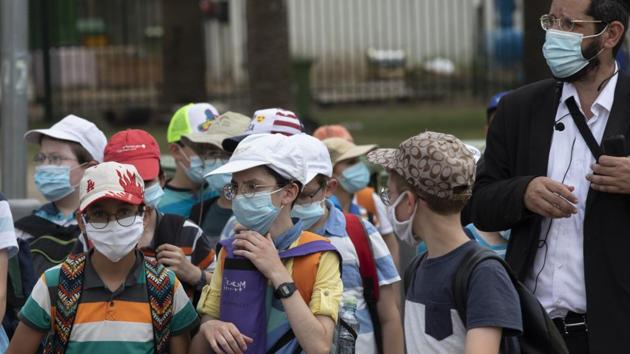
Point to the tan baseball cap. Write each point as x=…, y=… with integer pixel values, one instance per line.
x=433, y=163
x=341, y=149
x=226, y=125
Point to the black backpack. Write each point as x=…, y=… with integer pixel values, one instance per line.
x=540, y=335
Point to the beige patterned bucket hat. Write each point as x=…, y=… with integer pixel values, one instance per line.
x=433, y=163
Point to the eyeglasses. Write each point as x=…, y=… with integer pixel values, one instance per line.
x=53, y=159
x=214, y=155
x=100, y=219
x=248, y=190
x=312, y=195
x=564, y=23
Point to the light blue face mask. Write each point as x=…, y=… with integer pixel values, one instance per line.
x=563, y=52
x=53, y=182
x=309, y=214
x=152, y=195
x=355, y=177
x=256, y=213
x=199, y=168
x=216, y=182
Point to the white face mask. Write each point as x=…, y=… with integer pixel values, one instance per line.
x=115, y=241
x=402, y=229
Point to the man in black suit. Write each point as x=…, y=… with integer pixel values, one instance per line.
x=569, y=214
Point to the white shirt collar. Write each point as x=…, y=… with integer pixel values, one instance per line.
x=604, y=100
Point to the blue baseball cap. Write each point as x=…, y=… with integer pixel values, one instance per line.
x=494, y=101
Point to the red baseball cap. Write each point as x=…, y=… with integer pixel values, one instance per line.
x=135, y=147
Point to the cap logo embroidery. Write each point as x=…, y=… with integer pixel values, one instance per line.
x=127, y=148
x=260, y=118
x=203, y=127
x=90, y=185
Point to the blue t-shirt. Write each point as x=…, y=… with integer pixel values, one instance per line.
x=432, y=324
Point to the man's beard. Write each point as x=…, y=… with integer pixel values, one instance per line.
x=591, y=52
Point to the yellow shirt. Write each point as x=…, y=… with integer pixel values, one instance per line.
x=325, y=299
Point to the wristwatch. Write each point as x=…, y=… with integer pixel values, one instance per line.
x=202, y=281
x=284, y=290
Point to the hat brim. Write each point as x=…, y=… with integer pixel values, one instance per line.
x=356, y=151
x=230, y=144
x=237, y=166
x=122, y=196
x=34, y=136
x=383, y=157
x=148, y=169
x=203, y=138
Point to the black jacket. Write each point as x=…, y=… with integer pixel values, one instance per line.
x=517, y=150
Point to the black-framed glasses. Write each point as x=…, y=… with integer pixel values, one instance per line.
x=248, y=190
x=53, y=159
x=100, y=219
x=312, y=195
x=564, y=23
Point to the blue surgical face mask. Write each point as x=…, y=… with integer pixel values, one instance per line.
x=216, y=182
x=563, y=52
x=309, y=214
x=195, y=171
x=256, y=213
x=355, y=178
x=152, y=195
x=53, y=181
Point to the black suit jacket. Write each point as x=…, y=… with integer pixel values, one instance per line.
x=517, y=150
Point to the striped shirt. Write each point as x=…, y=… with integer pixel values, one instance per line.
x=335, y=229
x=108, y=322
x=8, y=241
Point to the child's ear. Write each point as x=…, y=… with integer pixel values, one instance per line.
x=331, y=187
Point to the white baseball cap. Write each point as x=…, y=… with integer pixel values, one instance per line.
x=275, y=151
x=268, y=121
x=111, y=180
x=315, y=154
x=75, y=129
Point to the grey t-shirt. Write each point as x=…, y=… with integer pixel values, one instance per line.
x=213, y=222
x=432, y=324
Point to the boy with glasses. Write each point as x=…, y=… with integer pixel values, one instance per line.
x=66, y=150
x=430, y=180
x=267, y=176
x=320, y=216
x=110, y=299
x=171, y=239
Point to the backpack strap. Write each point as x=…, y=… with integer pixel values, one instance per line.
x=305, y=265
x=67, y=301
x=461, y=281
x=161, y=293
x=585, y=131
x=367, y=268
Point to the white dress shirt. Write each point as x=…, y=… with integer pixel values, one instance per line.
x=557, y=277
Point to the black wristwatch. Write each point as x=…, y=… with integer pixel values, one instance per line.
x=284, y=291
x=202, y=281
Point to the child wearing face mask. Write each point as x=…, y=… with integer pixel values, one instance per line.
x=213, y=213
x=188, y=186
x=110, y=298
x=174, y=241
x=66, y=150
x=267, y=175
x=431, y=176
x=320, y=216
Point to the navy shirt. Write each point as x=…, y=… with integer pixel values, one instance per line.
x=431, y=321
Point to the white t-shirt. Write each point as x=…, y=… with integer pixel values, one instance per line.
x=7, y=232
